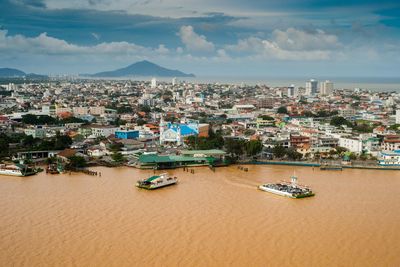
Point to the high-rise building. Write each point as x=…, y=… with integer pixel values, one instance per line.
x=398, y=116
x=326, y=88
x=174, y=80
x=311, y=87
x=153, y=83
x=291, y=91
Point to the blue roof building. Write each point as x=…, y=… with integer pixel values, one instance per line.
x=127, y=134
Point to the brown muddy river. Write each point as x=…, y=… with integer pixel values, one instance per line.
x=208, y=219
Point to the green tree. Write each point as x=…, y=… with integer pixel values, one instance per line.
x=292, y=154
x=253, y=147
x=339, y=121
x=39, y=120
x=279, y=151
x=124, y=109
x=234, y=146
x=116, y=147
x=118, y=157
x=28, y=141
x=141, y=122
x=62, y=142
x=340, y=150
x=145, y=108
x=249, y=132
x=76, y=162
x=282, y=110
x=266, y=118
x=4, y=145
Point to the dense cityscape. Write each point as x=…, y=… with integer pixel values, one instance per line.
x=152, y=124
x=199, y=133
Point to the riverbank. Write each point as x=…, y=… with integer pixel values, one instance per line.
x=318, y=164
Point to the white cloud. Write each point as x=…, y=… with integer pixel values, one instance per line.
x=291, y=44
x=47, y=45
x=194, y=41
x=293, y=39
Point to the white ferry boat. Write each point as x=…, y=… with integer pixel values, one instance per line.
x=157, y=181
x=292, y=190
x=16, y=170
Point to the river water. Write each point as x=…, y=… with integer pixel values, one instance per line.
x=208, y=219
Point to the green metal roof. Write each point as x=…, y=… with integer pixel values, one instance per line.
x=182, y=158
x=152, y=178
x=168, y=159
x=153, y=158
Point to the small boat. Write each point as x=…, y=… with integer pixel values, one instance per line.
x=17, y=170
x=157, y=181
x=292, y=190
x=55, y=168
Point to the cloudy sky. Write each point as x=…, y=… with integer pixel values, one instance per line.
x=208, y=37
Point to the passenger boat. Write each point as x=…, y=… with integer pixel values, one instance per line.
x=292, y=190
x=16, y=170
x=157, y=181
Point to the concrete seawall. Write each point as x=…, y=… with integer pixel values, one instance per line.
x=317, y=164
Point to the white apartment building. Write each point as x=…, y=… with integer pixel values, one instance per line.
x=79, y=111
x=326, y=88
x=103, y=130
x=398, y=116
x=352, y=144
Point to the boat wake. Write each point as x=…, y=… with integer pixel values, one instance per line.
x=240, y=182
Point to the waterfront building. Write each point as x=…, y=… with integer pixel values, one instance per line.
x=298, y=141
x=354, y=145
x=391, y=143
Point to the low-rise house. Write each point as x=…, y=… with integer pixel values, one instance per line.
x=35, y=132
x=103, y=130
x=96, y=151
x=391, y=143
x=127, y=134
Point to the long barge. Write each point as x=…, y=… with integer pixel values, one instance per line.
x=291, y=190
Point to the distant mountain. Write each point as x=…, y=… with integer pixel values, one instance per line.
x=14, y=73
x=7, y=72
x=142, y=68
